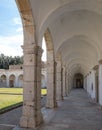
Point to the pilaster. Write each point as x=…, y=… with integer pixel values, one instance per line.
x=66, y=84
x=64, y=89
x=59, y=88
x=51, y=81
x=32, y=115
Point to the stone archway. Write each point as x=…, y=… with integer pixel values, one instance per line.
x=20, y=80
x=74, y=29
x=78, y=80
x=12, y=81
x=3, y=81
x=51, y=71
x=31, y=114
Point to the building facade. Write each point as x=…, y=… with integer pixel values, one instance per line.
x=13, y=77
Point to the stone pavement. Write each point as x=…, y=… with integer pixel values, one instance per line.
x=10, y=119
x=76, y=112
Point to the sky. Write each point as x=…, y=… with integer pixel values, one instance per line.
x=11, y=32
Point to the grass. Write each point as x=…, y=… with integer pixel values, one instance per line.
x=7, y=101
x=10, y=97
x=43, y=91
x=18, y=91
x=11, y=90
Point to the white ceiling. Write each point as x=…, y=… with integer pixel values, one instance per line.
x=76, y=29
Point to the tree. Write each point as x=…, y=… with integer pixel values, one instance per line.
x=5, y=61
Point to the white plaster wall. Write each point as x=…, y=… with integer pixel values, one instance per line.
x=100, y=84
x=17, y=73
x=92, y=92
x=88, y=84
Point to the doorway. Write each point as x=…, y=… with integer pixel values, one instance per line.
x=78, y=81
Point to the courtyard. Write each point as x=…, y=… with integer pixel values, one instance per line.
x=12, y=97
x=76, y=112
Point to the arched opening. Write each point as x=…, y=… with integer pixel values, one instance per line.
x=3, y=81
x=50, y=70
x=43, y=82
x=12, y=81
x=44, y=64
x=78, y=80
x=20, y=81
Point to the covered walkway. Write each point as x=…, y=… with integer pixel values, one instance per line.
x=76, y=112
x=72, y=30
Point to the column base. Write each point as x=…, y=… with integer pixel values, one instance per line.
x=51, y=104
x=59, y=98
x=31, y=122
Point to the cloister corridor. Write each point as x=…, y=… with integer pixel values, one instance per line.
x=75, y=112
x=72, y=30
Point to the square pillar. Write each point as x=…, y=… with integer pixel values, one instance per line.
x=51, y=81
x=31, y=113
x=59, y=88
x=95, y=89
x=66, y=84
x=93, y=84
x=64, y=88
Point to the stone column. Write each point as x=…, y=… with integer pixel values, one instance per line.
x=100, y=82
x=95, y=87
x=69, y=83
x=16, y=81
x=92, y=84
x=51, y=81
x=59, y=92
x=85, y=82
x=7, y=81
x=66, y=84
x=31, y=115
x=64, y=88
x=88, y=83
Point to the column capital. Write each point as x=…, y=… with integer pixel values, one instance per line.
x=32, y=49
x=95, y=67
x=100, y=61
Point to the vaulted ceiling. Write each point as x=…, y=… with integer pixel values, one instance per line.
x=76, y=29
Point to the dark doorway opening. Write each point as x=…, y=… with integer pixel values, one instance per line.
x=78, y=81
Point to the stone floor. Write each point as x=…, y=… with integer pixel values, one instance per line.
x=76, y=112
x=10, y=119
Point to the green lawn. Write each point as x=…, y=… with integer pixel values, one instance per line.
x=9, y=100
x=11, y=96
x=18, y=91
x=11, y=90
